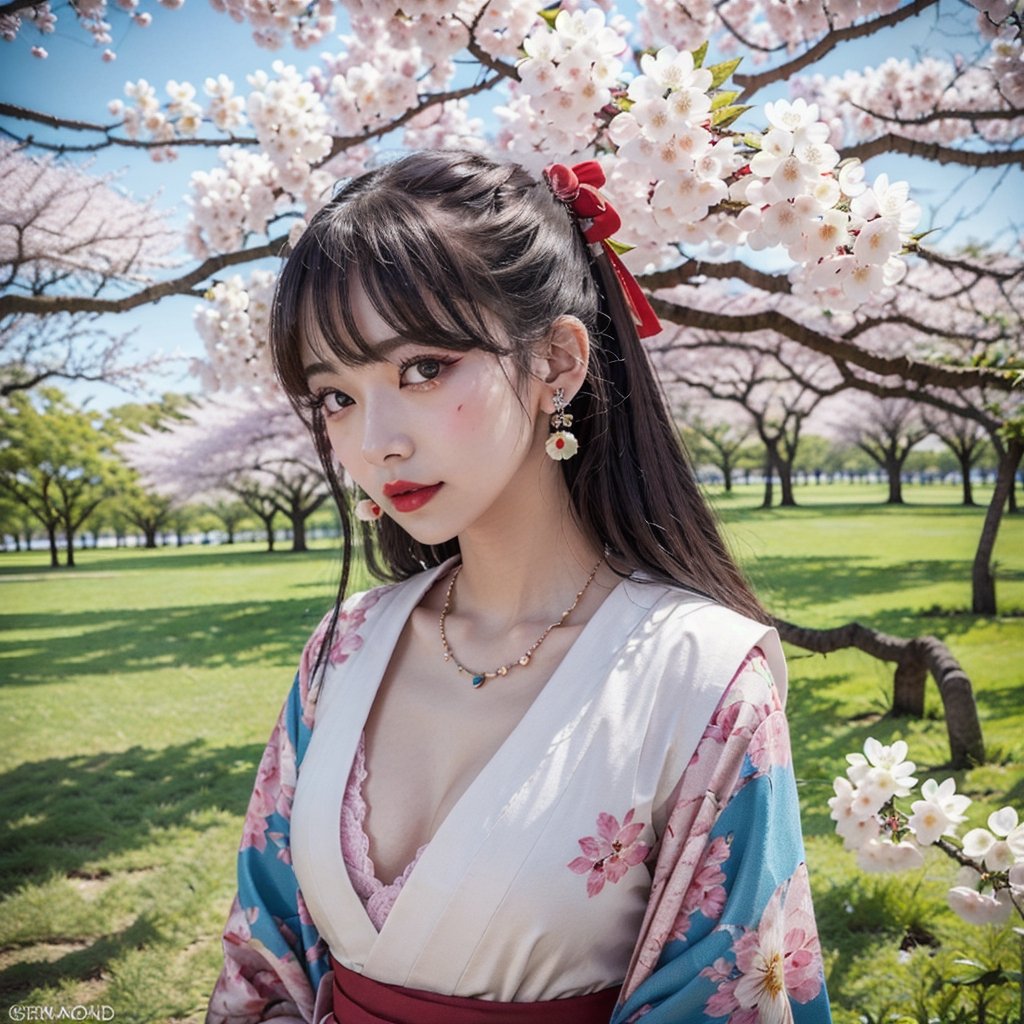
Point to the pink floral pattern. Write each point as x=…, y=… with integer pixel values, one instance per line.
x=706, y=892
x=274, y=788
x=778, y=961
x=346, y=641
x=612, y=852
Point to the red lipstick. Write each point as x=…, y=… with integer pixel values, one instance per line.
x=407, y=496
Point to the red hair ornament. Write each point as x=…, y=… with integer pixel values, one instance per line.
x=577, y=187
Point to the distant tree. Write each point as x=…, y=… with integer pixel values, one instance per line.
x=718, y=442
x=230, y=513
x=817, y=456
x=966, y=439
x=142, y=507
x=257, y=452
x=55, y=462
x=886, y=429
x=758, y=375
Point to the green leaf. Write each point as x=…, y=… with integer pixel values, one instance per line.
x=620, y=248
x=699, y=54
x=725, y=117
x=550, y=13
x=720, y=73
x=753, y=140
x=723, y=99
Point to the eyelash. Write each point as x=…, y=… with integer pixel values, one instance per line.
x=441, y=361
x=318, y=402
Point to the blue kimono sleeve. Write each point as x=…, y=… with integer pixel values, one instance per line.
x=274, y=957
x=730, y=936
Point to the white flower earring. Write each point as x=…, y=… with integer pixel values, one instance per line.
x=562, y=443
x=368, y=510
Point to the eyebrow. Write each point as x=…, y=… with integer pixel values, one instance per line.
x=382, y=350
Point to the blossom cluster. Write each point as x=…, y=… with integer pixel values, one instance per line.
x=565, y=80
x=92, y=17
x=990, y=882
x=234, y=324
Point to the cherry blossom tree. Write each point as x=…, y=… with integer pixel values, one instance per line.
x=756, y=374
x=886, y=430
x=966, y=439
x=256, y=452
x=64, y=229
x=752, y=213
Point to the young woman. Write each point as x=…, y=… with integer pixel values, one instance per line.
x=544, y=774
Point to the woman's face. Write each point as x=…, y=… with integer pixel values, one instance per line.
x=439, y=439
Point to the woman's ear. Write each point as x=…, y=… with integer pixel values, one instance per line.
x=563, y=359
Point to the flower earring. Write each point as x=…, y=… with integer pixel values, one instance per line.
x=562, y=443
x=368, y=510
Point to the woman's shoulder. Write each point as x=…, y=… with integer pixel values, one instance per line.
x=697, y=638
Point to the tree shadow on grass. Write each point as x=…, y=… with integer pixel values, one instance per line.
x=165, y=560
x=77, y=965
x=134, y=640
x=812, y=583
x=61, y=814
x=95, y=816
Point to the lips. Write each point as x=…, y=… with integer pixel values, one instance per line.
x=407, y=496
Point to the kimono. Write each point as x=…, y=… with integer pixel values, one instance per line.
x=639, y=828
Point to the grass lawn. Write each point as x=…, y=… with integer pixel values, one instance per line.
x=138, y=691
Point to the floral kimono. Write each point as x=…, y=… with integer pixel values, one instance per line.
x=639, y=828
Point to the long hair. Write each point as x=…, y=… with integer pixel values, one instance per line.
x=446, y=245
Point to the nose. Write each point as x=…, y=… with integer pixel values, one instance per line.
x=384, y=435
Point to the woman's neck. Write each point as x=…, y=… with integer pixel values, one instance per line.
x=527, y=563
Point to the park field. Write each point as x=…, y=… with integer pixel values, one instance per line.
x=137, y=691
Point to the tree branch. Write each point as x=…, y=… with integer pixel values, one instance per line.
x=933, y=151
x=42, y=305
x=925, y=374
x=750, y=84
x=735, y=269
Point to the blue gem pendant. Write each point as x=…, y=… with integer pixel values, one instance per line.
x=478, y=681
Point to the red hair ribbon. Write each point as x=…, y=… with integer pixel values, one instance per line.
x=577, y=187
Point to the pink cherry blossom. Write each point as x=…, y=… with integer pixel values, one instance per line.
x=778, y=961
x=611, y=853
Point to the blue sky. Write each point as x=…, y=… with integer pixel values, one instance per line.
x=196, y=41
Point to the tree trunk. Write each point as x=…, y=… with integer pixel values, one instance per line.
x=51, y=532
x=766, y=502
x=268, y=525
x=727, y=474
x=914, y=659
x=298, y=521
x=965, y=472
x=786, y=482
x=894, y=470
x=983, y=583
x=150, y=533
x=69, y=544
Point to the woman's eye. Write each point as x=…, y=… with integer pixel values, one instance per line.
x=421, y=371
x=332, y=401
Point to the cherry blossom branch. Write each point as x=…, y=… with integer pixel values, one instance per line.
x=752, y=83
x=925, y=374
x=341, y=143
x=106, y=130
x=1007, y=114
x=184, y=285
x=890, y=142
x=735, y=269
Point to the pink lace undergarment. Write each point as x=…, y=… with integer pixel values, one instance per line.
x=377, y=898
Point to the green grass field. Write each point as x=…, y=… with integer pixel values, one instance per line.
x=138, y=691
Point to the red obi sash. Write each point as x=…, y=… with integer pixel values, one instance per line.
x=361, y=1000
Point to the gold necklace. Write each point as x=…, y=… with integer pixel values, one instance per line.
x=479, y=678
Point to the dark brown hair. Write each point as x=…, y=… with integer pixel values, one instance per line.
x=447, y=244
